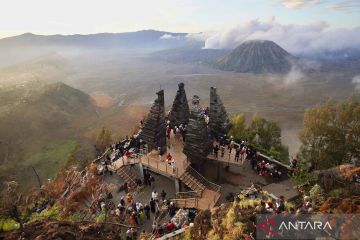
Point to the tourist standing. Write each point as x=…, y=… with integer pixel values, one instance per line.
x=216, y=151
x=152, y=205
x=147, y=211
x=222, y=150
x=237, y=154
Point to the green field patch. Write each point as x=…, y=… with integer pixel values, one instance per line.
x=50, y=158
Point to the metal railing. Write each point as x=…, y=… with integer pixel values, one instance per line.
x=186, y=202
x=124, y=172
x=160, y=166
x=275, y=161
x=189, y=194
x=208, y=184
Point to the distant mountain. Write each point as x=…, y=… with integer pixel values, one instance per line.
x=257, y=56
x=27, y=46
x=188, y=54
x=139, y=39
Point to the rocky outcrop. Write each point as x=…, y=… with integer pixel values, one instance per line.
x=180, y=109
x=197, y=142
x=219, y=122
x=340, y=176
x=153, y=131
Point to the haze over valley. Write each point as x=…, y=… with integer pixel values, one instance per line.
x=57, y=91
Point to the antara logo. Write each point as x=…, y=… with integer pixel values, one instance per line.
x=271, y=222
x=272, y=228
x=305, y=225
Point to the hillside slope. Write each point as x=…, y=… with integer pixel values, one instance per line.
x=38, y=127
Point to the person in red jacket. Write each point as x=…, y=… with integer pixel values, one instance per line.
x=170, y=226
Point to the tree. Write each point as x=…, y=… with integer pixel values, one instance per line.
x=238, y=127
x=331, y=134
x=263, y=134
x=266, y=135
x=103, y=140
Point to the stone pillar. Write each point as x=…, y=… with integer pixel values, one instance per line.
x=219, y=122
x=141, y=169
x=177, y=185
x=153, y=131
x=180, y=113
x=218, y=170
x=197, y=142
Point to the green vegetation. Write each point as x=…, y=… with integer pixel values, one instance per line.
x=301, y=175
x=331, y=134
x=8, y=224
x=317, y=194
x=238, y=128
x=75, y=217
x=263, y=134
x=51, y=157
x=49, y=213
x=103, y=140
x=340, y=193
x=101, y=217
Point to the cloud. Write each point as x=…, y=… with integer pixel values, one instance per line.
x=297, y=39
x=347, y=6
x=332, y=5
x=356, y=82
x=167, y=36
x=295, y=4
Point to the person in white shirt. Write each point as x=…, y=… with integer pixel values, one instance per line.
x=154, y=195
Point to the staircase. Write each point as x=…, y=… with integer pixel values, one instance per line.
x=193, y=183
x=128, y=175
x=205, y=193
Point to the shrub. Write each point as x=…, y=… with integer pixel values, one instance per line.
x=317, y=194
x=8, y=224
x=49, y=213
x=101, y=217
x=340, y=193
x=301, y=176
x=213, y=235
x=75, y=217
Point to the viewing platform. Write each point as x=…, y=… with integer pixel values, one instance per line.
x=206, y=193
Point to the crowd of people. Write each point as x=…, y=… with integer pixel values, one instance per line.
x=179, y=132
x=245, y=152
x=152, y=213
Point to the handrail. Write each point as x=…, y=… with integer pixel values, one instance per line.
x=125, y=173
x=275, y=161
x=187, y=201
x=268, y=158
x=183, y=195
x=206, y=182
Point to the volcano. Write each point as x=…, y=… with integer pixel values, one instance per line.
x=257, y=56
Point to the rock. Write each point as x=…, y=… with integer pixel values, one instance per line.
x=337, y=177
x=153, y=131
x=197, y=142
x=219, y=122
x=180, y=109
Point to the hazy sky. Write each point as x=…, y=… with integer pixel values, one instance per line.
x=93, y=16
